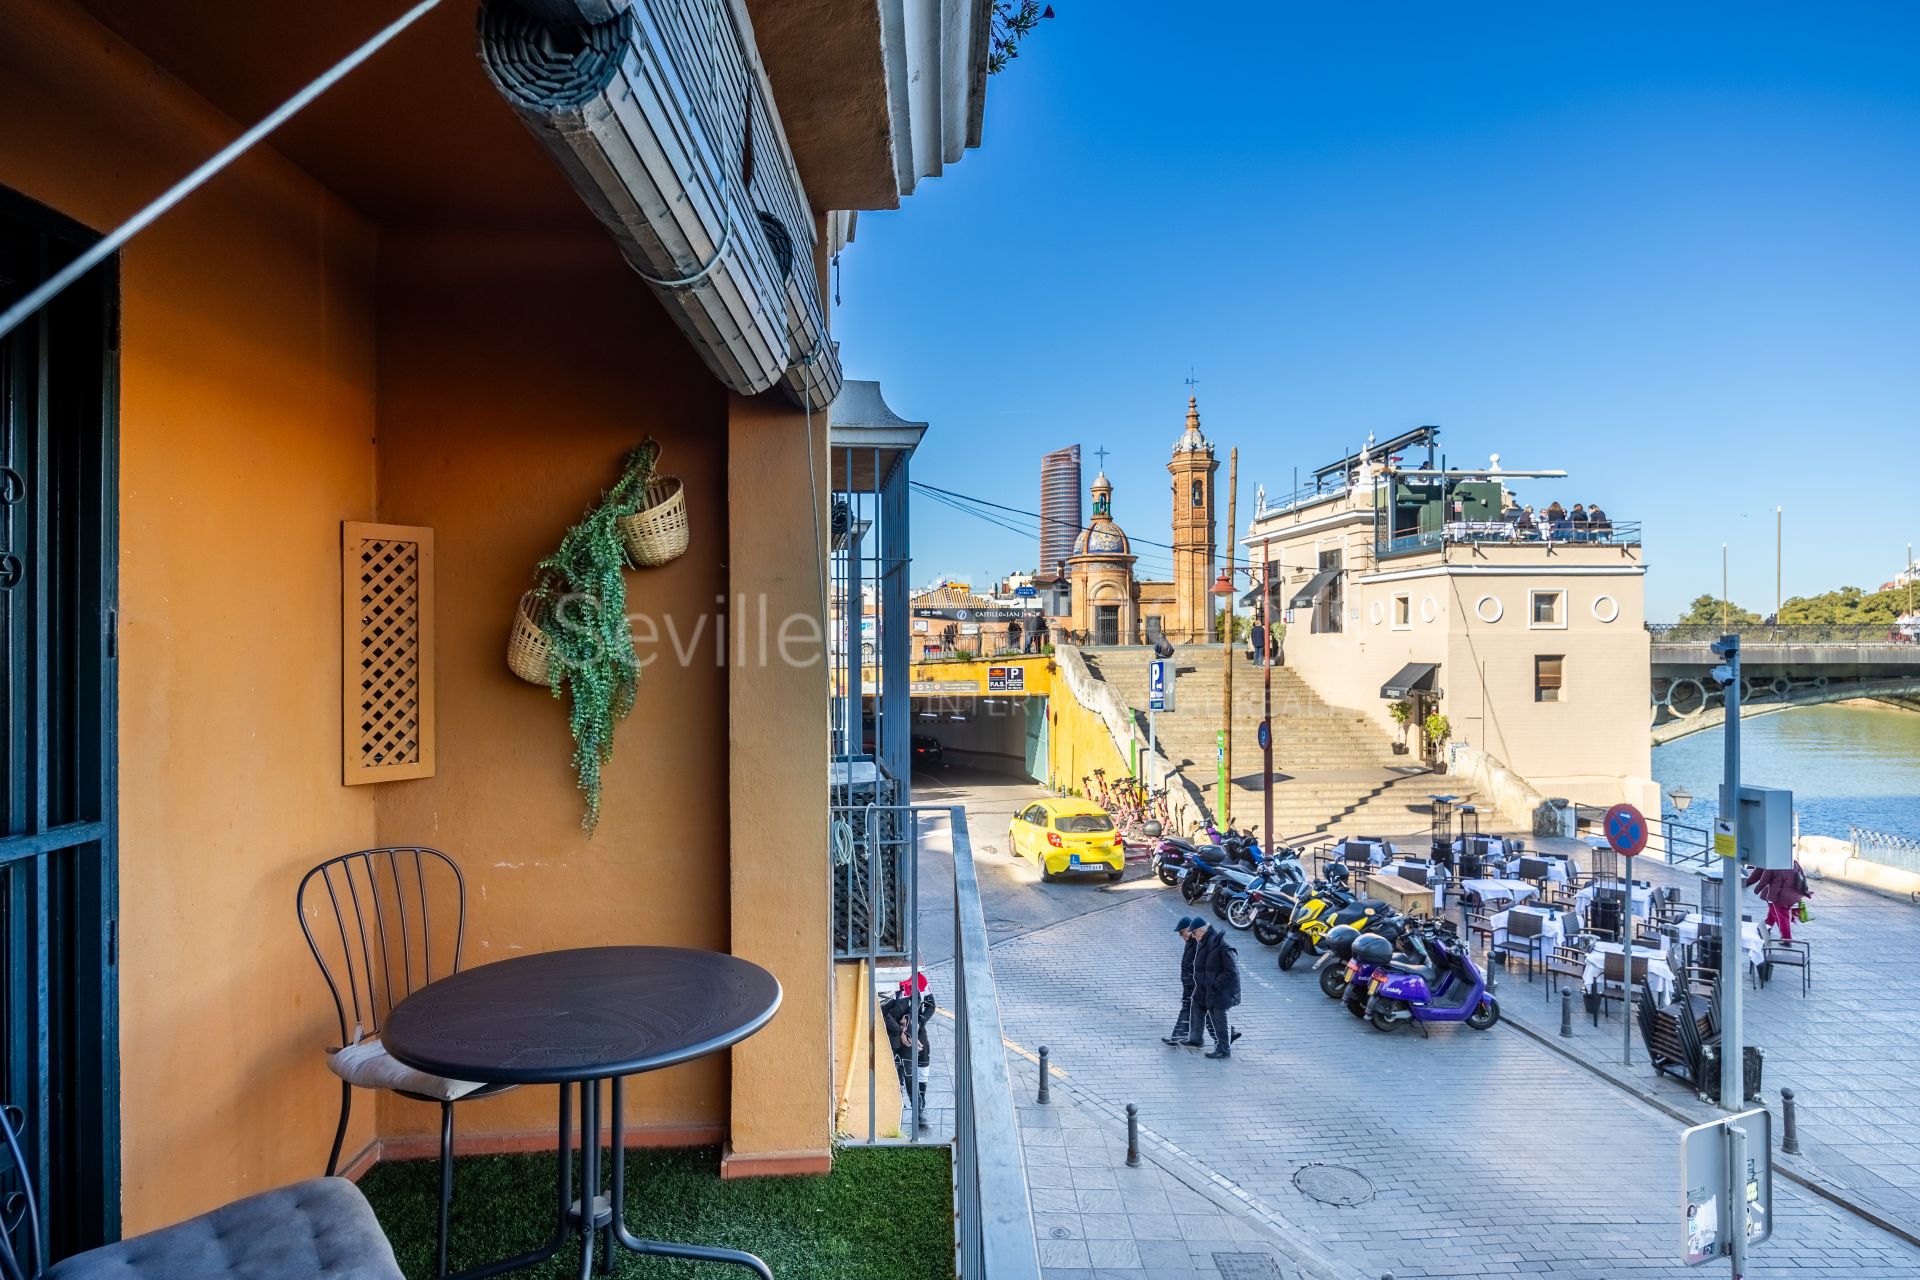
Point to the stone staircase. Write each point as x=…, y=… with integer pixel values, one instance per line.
x=1335, y=771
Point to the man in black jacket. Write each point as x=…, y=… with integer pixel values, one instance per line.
x=897, y=1016
x=1185, y=1020
x=1216, y=989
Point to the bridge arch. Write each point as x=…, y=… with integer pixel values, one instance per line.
x=1700, y=705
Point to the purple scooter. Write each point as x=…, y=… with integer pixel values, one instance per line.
x=1396, y=996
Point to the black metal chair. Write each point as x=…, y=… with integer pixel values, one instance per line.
x=1776, y=952
x=370, y=920
x=1526, y=936
x=320, y=1229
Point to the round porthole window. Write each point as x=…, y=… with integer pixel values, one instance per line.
x=1606, y=608
x=1489, y=609
x=1376, y=611
x=1429, y=609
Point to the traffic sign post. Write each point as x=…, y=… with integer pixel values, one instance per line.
x=1626, y=829
x=1159, y=698
x=1726, y=1188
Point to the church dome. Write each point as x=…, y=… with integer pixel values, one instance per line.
x=1102, y=537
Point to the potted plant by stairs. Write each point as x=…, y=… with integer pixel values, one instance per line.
x=1402, y=713
x=1438, y=729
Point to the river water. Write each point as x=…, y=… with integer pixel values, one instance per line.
x=1846, y=766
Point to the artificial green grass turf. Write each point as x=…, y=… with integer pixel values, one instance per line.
x=883, y=1214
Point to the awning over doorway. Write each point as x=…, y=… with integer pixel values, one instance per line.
x=1305, y=596
x=1415, y=677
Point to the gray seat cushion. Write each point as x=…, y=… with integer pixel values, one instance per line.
x=320, y=1228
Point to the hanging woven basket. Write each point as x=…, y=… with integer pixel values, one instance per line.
x=657, y=532
x=529, y=648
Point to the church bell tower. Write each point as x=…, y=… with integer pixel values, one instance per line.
x=1192, y=468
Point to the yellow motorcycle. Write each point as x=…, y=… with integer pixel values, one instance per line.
x=1321, y=908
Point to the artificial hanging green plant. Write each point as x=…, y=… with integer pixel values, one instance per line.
x=580, y=602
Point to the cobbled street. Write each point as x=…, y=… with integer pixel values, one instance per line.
x=1488, y=1154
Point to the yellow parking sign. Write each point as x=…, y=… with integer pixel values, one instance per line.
x=1723, y=842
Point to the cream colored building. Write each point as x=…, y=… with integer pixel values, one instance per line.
x=1408, y=583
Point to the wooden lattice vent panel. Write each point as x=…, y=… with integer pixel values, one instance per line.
x=386, y=645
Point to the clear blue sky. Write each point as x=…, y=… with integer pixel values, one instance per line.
x=1672, y=249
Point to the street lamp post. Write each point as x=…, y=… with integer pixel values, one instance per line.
x=1224, y=587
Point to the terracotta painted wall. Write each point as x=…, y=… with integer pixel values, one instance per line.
x=782, y=1115
x=247, y=408
x=499, y=424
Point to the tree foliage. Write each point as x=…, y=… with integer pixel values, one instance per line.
x=1848, y=605
x=1705, y=611
x=1013, y=21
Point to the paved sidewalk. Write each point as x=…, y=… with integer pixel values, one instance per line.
x=1481, y=1153
x=1848, y=1048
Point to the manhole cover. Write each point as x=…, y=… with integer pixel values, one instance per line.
x=1247, y=1266
x=1061, y=1233
x=1334, y=1184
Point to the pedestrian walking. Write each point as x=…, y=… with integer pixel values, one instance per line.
x=897, y=1016
x=1783, y=891
x=1184, y=1022
x=1216, y=989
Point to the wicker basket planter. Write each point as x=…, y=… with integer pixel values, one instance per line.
x=657, y=533
x=529, y=650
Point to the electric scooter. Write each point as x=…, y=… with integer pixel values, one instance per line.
x=1395, y=997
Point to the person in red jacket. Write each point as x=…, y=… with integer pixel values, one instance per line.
x=1782, y=891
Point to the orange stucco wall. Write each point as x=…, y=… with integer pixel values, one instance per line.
x=247, y=425
x=286, y=365
x=499, y=424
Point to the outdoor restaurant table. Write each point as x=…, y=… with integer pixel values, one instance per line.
x=1552, y=934
x=577, y=1018
x=1401, y=895
x=1499, y=893
x=1464, y=530
x=1659, y=973
x=1436, y=880
x=1642, y=898
x=1556, y=867
x=1688, y=931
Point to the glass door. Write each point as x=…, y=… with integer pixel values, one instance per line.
x=59, y=1037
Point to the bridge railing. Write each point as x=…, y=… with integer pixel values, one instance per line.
x=1887, y=850
x=1792, y=633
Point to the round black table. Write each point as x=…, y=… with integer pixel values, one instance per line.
x=577, y=1018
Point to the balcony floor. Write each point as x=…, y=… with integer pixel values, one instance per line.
x=880, y=1215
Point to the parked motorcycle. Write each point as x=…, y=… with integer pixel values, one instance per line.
x=1329, y=904
x=1172, y=854
x=1336, y=964
x=1282, y=877
x=1196, y=880
x=1396, y=996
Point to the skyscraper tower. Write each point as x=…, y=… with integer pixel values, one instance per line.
x=1059, y=507
x=1192, y=469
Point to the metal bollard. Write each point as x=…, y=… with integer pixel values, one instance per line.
x=1790, y=1125
x=1566, y=1013
x=1133, y=1136
x=1043, y=1076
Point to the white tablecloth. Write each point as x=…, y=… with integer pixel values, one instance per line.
x=1642, y=899
x=1551, y=933
x=1462, y=530
x=1659, y=974
x=1496, y=847
x=1434, y=881
x=1376, y=852
x=1500, y=893
x=1556, y=868
x=1688, y=931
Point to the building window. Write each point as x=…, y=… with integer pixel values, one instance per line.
x=1547, y=609
x=1546, y=677
x=1199, y=494
x=1402, y=612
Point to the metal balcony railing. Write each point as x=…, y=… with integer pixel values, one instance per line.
x=1621, y=533
x=993, y=1212
x=1793, y=633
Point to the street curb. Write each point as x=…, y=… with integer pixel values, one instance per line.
x=1783, y=1165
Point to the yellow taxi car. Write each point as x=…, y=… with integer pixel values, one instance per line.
x=1068, y=835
